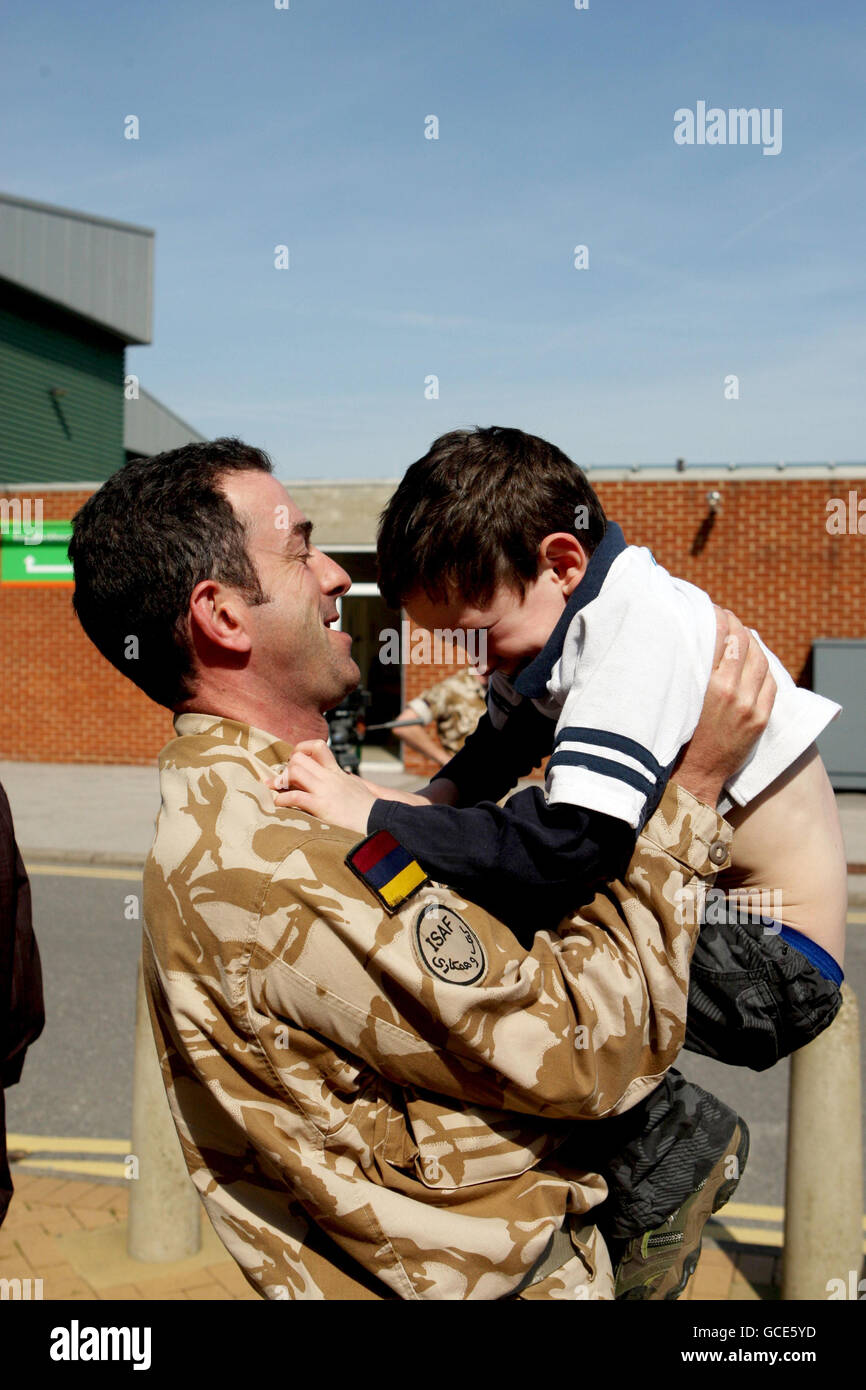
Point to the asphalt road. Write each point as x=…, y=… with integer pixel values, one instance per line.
x=77, y=1079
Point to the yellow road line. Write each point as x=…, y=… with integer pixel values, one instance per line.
x=81, y=871
x=743, y=1235
x=51, y=1144
x=746, y=1235
x=754, y=1212
x=92, y=1168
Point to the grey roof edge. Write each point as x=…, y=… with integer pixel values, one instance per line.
x=702, y=472
x=57, y=211
x=119, y=335
x=698, y=473
x=202, y=438
x=655, y=472
x=339, y=482
x=36, y=487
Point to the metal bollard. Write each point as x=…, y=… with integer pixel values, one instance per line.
x=164, y=1208
x=824, y=1182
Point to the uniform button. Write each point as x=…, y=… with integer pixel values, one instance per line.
x=718, y=852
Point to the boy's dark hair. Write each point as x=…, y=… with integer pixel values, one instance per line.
x=471, y=514
x=141, y=544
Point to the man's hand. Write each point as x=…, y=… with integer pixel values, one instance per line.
x=735, y=712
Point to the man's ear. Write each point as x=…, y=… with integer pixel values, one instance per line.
x=563, y=555
x=216, y=614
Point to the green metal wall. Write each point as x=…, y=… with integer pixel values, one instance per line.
x=77, y=437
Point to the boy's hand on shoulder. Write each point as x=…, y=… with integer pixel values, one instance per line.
x=313, y=781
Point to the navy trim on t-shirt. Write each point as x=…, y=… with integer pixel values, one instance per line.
x=532, y=682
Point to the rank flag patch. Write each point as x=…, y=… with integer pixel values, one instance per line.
x=387, y=869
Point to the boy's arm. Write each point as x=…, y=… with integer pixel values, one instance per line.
x=489, y=764
x=492, y=760
x=528, y=857
x=526, y=863
x=500, y=855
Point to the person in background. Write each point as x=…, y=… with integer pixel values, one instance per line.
x=455, y=705
x=22, y=1012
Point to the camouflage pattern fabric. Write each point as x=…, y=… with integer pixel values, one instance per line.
x=456, y=704
x=372, y=1104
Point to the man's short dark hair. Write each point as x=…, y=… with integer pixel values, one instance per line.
x=140, y=545
x=471, y=514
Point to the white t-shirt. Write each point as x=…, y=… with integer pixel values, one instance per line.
x=626, y=693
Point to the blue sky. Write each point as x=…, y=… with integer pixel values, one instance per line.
x=413, y=257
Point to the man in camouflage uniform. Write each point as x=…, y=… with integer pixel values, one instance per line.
x=376, y=1087
x=455, y=705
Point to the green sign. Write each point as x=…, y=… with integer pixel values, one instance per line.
x=35, y=553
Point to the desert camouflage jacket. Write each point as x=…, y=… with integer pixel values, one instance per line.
x=371, y=1088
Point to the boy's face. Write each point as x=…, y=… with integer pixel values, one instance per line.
x=516, y=628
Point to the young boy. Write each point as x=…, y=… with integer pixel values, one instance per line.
x=601, y=659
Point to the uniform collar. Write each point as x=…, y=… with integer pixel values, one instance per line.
x=269, y=750
x=532, y=681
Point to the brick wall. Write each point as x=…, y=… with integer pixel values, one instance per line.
x=768, y=557
x=61, y=701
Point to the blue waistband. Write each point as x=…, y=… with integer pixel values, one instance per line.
x=821, y=959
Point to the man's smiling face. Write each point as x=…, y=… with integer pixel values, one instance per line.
x=295, y=648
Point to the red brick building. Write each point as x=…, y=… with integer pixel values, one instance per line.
x=761, y=548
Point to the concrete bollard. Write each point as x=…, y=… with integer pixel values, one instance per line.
x=824, y=1182
x=164, y=1208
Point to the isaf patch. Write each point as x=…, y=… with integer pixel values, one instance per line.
x=447, y=947
x=387, y=869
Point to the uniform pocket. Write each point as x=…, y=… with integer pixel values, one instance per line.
x=462, y=1148
x=585, y=1271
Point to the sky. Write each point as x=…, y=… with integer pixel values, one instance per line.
x=454, y=258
